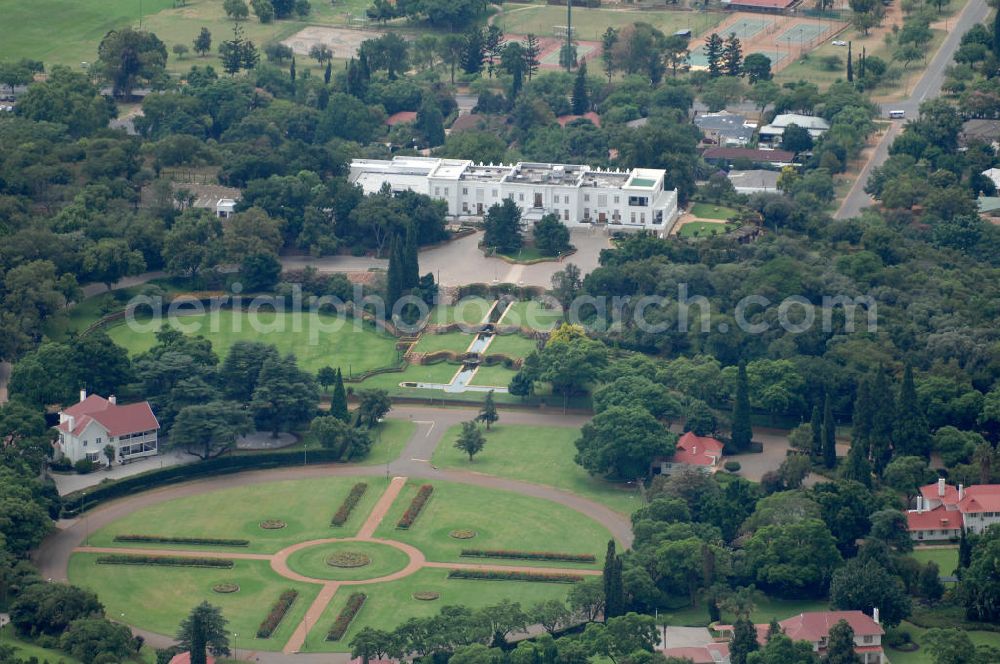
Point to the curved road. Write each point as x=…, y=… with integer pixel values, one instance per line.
x=929, y=86
x=53, y=555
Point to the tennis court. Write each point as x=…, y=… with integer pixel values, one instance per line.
x=803, y=33
x=747, y=27
x=584, y=51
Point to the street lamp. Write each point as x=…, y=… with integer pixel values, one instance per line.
x=305, y=453
x=236, y=648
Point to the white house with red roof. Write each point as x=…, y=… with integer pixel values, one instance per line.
x=814, y=627
x=944, y=510
x=700, y=452
x=85, y=428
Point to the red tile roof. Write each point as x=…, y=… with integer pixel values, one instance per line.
x=697, y=450
x=401, y=118
x=185, y=658
x=936, y=519
x=930, y=492
x=763, y=4
x=118, y=420
x=980, y=498
x=778, y=156
x=815, y=625
x=700, y=654
x=564, y=120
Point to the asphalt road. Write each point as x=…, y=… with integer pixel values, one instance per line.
x=928, y=87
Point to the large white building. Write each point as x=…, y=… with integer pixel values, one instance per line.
x=85, y=428
x=578, y=195
x=944, y=510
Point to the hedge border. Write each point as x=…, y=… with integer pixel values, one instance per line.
x=277, y=613
x=165, y=561
x=197, y=541
x=350, y=502
x=416, y=507
x=496, y=575
x=530, y=555
x=346, y=616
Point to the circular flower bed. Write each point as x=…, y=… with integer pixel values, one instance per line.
x=272, y=524
x=463, y=533
x=348, y=559
x=426, y=595
x=226, y=588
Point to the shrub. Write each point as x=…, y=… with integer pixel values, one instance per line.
x=413, y=511
x=164, y=561
x=84, y=466
x=272, y=524
x=345, y=509
x=426, y=595
x=344, y=618
x=496, y=575
x=732, y=466
x=277, y=614
x=530, y=555
x=226, y=588
x=348, y=559
x=197, y=541
x=896, y=637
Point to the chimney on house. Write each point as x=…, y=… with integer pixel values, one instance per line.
x=113, y=400
x=875, y=615
x=83, y=395
x=70, y=421
x=961, y=492
x=920, y=504
x=941, y=487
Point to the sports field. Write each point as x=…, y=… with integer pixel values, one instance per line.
x=590, y=24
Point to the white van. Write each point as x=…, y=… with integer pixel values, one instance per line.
x=896, y=115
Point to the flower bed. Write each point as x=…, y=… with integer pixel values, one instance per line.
x=277, y=614
x=348, y=559
x=164, y=561
x=272, y=524
x=426, y=595
x=463, y=533
x=196, y=541
x=493, y=575
x=225, y=588
x=413, y=511
x=345, y=509
x=530, y=555
x=344, y=618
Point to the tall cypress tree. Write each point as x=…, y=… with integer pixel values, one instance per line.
x=911, y=431
x=580, y=100
x=394, y=277
x=614, y=597
x=964, y=552
x=850, y=64
x=744, y=641
x=291, y=73
x=829, y=434
x=856, y=467
x=338, y=400
x=996, y=34
x=327, y=73
x=742, y=433
x=411, y=265
x=816, y=423
x=883, y=416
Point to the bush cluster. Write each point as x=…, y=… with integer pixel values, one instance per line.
x=344, y=618
x=496, y=575
x=277, y=614
x=530, y=555
x=164, y=561
x=413, y=511
x=197, y=541
x=345, y=509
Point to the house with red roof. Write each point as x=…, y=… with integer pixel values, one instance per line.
x=703, y=453
x=944, y=510
x=86, y=427
x=185, y=658
x=814, y=627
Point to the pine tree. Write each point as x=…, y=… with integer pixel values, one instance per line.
x=532, y=53
x=773, y=629
x=614, y=598
x=856, y=466
x=732, y=56
x=338, y=400
x=742, y=432
x=291, y=73
x=743, y=642
x=850, y=64
x=911, y=431
x=488, y=413
x=996, y=34
x=817, y=434
x=883, y=418
x=473, y=54
x=394, y=275
x=430, y=121
x=203, y=42
x=862, y=63
x=580, y=100
x=608, y=41
x=829, y=434
x=411, y=264
x=327, y=73
x=964, y=552
x=713, y=52
x=840, y=645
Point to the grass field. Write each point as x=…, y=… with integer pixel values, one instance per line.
x=513, y=345
x=390, y=604
x=702, y=228
x=531, y=313
x=311, y=561
x=83, y=314
x=305, y=505
x=158, y=598
x=709, y=211
x=314, y=338
x=766, y=609
x=922, y=656
x=387, y=441
x=469, y=310
x=495, y=376
x=945, y=557
x=456, y=341
x=25, y=650
x=543, y=455
x=528, y=253
x=590, y=24
x=502, y=520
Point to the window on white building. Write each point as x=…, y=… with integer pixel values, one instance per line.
x=642, y=217
x=465, y=191
x=566, y=200
x=446, y=191
x=520, y=197
x=566, y=215
x=495, y=193
x=586, y=198
x=437, y=191
x=868, y=639
x=632, y=217
x=97, y=441
x=602, y=200
x=616, y=200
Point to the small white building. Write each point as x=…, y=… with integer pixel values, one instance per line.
x=994, y=175
x=772, y=133
x=85, y=428
x=702, y=453
x=754, y=181
x=580, y=196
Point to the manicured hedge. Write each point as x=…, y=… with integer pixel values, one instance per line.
x=277, y=614
x=530, y=555
x=496, y=575
x=197, y=541
x=165, y=561
x=344, y=618
x=345, y=509
x=413, y=511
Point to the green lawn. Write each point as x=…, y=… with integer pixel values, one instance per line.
x=922, y=656
x=543, y=455
x=496, y=376
x=305, y=505
x=469, y=310
x=25, y=650
x=439, y=372
x=83, y=314
x=590, y=24
x=709, y=211
x=158, y=598
x=766, y=609
x=512, y=345
x=388, y=441
x=945, y=557
x=317, y=340
x=528, y=253
x=312, y=561
x=531, y=313
x=502, y=520
x=390, y=604
x=455, y=341
x=702, y=228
